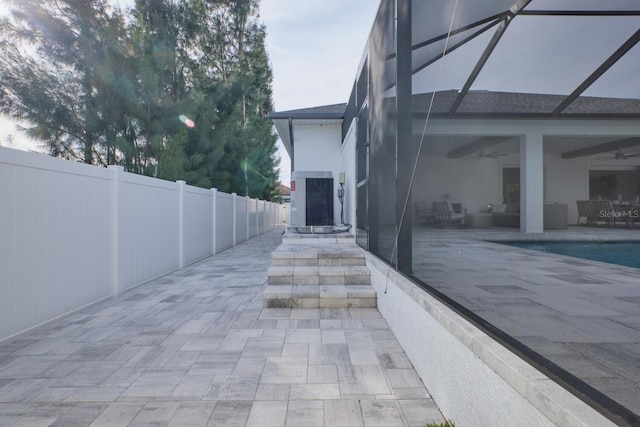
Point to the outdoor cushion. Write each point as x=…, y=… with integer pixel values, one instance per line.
x=450, y=207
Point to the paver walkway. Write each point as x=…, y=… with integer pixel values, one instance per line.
x=196, y=348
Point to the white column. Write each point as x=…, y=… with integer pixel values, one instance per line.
x=116, y=286
x=531, y=183
x=214, y=219
x=181, y=185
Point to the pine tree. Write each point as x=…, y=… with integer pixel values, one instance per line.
x=50, y=73
x=175, y=90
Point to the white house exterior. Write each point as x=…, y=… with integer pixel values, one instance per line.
x=538, y=145
x=316, y=137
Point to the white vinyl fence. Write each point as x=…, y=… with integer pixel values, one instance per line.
x=72, y=234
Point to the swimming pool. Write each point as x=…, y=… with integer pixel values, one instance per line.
x=621, y=253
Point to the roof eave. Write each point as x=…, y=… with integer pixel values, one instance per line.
x=282, y=128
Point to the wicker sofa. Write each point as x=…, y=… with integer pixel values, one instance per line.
x=506, y=215
x=555, y=216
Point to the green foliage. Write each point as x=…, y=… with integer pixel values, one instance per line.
x=447, y=423
x=175, y=90
x=171, y=158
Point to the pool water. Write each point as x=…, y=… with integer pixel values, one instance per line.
x=621, y=253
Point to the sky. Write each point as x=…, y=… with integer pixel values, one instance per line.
x=314, y=48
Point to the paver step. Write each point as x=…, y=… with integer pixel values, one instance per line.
x=308, y=276
x=319, y=296
x=319, y=275
x=299, y=255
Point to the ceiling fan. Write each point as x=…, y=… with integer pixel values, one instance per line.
x=483, y=155
x=619, y=155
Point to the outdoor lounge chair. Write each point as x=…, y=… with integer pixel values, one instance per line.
x=602, y=210
x=585, y=211
x=423, y=212
x=443, y=213
x=627, y=213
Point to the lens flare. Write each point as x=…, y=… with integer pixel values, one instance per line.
x=187, y=121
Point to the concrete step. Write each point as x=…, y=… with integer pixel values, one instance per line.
x=319, y=296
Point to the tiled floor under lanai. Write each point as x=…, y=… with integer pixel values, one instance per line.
x=582, y=315
x=196, y=348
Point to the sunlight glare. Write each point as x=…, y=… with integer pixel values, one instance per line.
x=187, y=121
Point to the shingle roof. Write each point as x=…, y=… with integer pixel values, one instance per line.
x=333, y=111
x=481, y=104
x=488, y=103
x=522, y=104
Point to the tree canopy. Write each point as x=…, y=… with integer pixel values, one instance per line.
x=174, y=90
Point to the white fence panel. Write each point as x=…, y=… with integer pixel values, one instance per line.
x=253, y=215
x=198, y=224
x=261, y=216
x=241, y=219
x=281, y=216
x=54, y=238
x=269, y=216
x=224, y=222
x=284, y=215
x=72, y=234
x=148, y=232
x=275, y=209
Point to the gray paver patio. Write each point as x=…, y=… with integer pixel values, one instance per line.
x=196, y=348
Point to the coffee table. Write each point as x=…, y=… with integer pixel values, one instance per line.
x=478, y=220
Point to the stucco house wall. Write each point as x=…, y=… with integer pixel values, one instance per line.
x=317, y=148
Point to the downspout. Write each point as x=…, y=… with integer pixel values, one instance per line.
x=291, y=139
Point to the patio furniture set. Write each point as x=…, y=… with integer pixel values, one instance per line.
x=555, y=215
x=607, y=213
